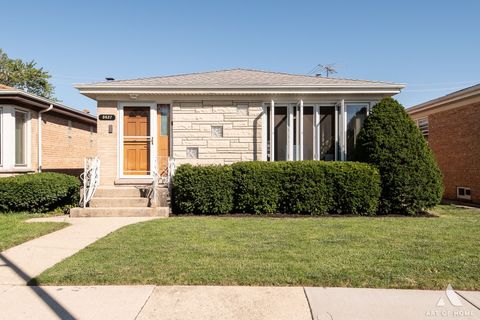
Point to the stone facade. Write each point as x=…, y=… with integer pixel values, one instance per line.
x=216, y=132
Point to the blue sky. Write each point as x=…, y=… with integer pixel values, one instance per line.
x=432, y=46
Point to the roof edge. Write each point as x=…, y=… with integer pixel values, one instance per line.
x=462, y=94
x=66, y=109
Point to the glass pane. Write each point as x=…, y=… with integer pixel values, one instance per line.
x=164, y=120
x=327, y=133
x=20, y=125
x=308, y=123
x=280, y=123
x=356, y=115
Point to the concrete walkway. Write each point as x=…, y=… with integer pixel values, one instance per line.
x=23, y=262
x=202, y=303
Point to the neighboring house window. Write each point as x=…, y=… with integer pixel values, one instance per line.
x=422, y=124
x=356, y=115
x=20, y=137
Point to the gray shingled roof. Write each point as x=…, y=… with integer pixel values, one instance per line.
x=238, y=78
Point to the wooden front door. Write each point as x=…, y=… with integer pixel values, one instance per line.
x=136, y=141
x=163, y=137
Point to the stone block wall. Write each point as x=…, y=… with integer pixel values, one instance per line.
x=196, y=142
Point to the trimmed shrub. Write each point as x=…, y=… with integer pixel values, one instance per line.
x=202, y=189
x=39, y=192
x=411, y=179
x=356, y=187
x=306, y=187
x=258, y=186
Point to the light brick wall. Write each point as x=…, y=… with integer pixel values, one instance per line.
x=107, y=142
x=192, y=127
x=64, y=148
x=454, y=136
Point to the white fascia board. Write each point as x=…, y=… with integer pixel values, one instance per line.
x=242, y=92
x=153, y=87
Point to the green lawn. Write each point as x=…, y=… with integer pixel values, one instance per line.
x=14, y=230
x=389, y=252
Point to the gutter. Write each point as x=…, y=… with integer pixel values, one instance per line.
x=40, y=136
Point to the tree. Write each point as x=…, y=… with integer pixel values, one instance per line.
x=25, y=76
x=411, y=179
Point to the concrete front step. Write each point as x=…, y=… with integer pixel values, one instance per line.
x=118, y=192
x=136, y=202
x=120, y=212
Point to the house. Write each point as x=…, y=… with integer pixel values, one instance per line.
x=222, y=117
x=37, y=134
x=451, y=125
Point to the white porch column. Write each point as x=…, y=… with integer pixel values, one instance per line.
x=290, y=139
x=316, y=134
x=343, y=130
x=300, y=147
x=272, y=130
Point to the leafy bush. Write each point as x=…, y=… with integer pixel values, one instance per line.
x=39, y=192
x=305, y=187
x=203, y=189
x=411, y=179
x=356, y=187
x=258, y=186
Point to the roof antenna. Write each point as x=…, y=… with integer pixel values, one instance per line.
x=320, y=69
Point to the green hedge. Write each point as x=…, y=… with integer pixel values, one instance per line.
x=305, y=187
x=203, y=189
x=39, y=192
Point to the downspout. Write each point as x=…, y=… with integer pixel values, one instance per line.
x=40, y=136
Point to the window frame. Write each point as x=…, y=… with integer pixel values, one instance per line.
x=25, y=138
x=366, y=105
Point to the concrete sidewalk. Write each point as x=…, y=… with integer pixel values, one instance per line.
x=200, y=302
x=27, y=260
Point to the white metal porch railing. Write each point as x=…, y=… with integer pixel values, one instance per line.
x=90, y=178
x=162, y=176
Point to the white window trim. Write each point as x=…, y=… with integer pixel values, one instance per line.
x=464, y=197
x=341, y=107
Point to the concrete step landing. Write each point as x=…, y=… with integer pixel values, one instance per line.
x=134, y=202
x=120, y=212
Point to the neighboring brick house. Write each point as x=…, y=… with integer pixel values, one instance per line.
x=451, y=124
x=59, y=143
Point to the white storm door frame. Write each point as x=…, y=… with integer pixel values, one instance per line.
x=153, y=140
